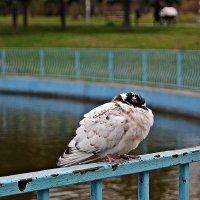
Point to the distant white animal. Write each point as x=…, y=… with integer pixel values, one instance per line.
x=169, y=14
x=168, y=11
x=112, y=129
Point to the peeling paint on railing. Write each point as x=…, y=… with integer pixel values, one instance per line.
x=43, y=180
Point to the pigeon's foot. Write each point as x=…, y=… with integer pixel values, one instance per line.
x=111, y=159
x=126, y=156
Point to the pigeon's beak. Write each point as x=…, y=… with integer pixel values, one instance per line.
x=144, y=107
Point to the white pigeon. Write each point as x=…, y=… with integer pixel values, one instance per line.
x=110, y=130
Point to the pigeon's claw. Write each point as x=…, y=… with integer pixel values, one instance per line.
x=127, y=157
x=111, y=159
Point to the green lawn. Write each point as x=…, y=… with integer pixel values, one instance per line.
x=101, y=33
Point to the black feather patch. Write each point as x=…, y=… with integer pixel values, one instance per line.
x=132, y=99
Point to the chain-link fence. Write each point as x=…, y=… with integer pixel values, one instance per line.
x=166, y=68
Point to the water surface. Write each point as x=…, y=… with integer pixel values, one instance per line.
x=35, y=131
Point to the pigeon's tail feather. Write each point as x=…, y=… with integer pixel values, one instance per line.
x=72, y=156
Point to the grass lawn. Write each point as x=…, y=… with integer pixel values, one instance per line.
x=100, y=33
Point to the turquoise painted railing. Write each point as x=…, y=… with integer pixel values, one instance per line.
x=166, y=68
x=42, y=181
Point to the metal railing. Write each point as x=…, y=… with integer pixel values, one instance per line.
x=42, y=181
x=166, y=68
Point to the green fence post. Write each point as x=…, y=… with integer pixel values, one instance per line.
x=42, y=72
x=144, y=67
x=179, y=69
x=3, y=61
x=77, y=64
x=110, y=66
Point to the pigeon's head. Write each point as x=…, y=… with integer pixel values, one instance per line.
x=131, y=99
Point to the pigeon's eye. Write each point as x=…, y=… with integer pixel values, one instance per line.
x=136, y=100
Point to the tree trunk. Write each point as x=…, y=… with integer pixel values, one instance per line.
x=126, y=5
x=87, y=10
x=14, y=19
x=25, y=14
x=62, y=14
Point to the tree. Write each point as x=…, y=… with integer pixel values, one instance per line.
x=14, y=6
x=126, y=5
x=63, y=14
x=126, y=14
x=25, y=4
x=61, y=5
x=15, y=15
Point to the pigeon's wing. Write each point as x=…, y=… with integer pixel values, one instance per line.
x=101, y=129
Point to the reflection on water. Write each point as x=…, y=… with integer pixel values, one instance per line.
x=35, y=131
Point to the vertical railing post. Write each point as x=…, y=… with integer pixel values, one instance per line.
x=42, y=71
x=179, y=69
x=3, y=62
x=184, y=182
x=143, y=186
x=96, y=190
x=77, y=64
x=43, y=195
x=144, y=67
x=110, y=66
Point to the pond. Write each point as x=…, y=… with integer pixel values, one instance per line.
x=35, y=131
